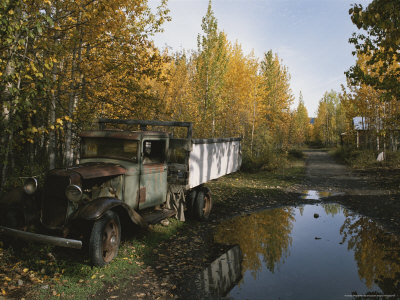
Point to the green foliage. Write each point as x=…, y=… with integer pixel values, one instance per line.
x=263, y=155
x=379, y=41
x=296, y=153
x=269, y=161
x=357, y=158
x=392, y=159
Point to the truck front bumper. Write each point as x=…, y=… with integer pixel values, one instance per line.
x=41, y=238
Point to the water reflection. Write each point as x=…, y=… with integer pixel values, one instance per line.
x=288, y=253
x=220, y=276
x=377, y=253
x=332, y=208
x=215, y=281
x=263, y=237
x=318, y=195
x=311, y=195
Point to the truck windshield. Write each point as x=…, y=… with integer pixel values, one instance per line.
x=109, y=148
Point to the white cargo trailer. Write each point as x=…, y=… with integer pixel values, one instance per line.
x=212, y=158
x=194, y=162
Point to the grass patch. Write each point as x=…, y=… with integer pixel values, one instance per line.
x=261, y=182
x=82, y=280
x=363, y=159
x=355, y=158
x=69, y=275
x=271, y=161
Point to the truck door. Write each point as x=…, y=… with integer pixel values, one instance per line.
x=153, y=173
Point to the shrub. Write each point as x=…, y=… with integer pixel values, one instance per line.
x=264, y=161
x=296, y=153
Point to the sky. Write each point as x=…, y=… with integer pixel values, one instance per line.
x=309, y=36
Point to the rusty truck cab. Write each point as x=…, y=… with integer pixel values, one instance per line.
x=144, y=156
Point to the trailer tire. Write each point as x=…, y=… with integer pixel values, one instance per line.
x=105, y=239
x=203, y=204
x=190, y=202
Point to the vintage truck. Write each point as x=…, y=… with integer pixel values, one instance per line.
x=123, y=178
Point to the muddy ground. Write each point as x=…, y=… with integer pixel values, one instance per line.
x=177, y=261
x=168, y=271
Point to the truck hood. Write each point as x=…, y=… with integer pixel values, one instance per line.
x=92, y=170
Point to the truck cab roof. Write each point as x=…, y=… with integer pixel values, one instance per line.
x=123, y=134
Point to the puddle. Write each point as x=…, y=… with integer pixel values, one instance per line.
x=318, y=195
x=311, y=252
x=220, y=276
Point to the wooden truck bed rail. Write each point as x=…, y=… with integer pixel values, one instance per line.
x=144, y=123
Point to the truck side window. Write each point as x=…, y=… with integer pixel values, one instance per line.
x=153, y=152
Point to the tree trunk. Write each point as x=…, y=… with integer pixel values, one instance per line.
x=52, y=121
x=73, y=102
x=252, y=128
x=7, y=135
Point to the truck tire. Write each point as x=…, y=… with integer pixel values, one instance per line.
x=105, y=239
x=203, y=204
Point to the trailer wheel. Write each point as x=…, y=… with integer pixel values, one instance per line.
x=104, y=239
x=190, y=202
x=203, y=204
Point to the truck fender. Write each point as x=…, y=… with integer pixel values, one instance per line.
x=97, y=208
x=18, y=209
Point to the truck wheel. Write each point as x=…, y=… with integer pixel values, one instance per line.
x=104, y=239
x=203, y=204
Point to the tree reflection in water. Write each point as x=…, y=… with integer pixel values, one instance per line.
x=376, y=252
x=332, y=208
x=264, y=235
x=265, y=239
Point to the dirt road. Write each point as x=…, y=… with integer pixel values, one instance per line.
x=363, y=191
x=324, y=174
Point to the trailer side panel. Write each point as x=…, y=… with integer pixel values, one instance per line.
x=211, y=159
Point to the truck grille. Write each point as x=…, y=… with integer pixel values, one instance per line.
x=54, y=202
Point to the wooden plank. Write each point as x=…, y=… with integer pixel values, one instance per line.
x=157, y=215
x=145, y=122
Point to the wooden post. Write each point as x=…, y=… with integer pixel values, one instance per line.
x=358, y=139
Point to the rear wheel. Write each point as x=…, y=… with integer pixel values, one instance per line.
x=105, y=239
x=190, y=202
x=203, y=204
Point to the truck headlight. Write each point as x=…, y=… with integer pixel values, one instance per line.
x=73, y=193
x=30, y=185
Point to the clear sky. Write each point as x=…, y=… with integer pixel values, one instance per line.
x=310, y=36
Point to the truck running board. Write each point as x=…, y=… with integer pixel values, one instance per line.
x=41, y=238
x=158, y=215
